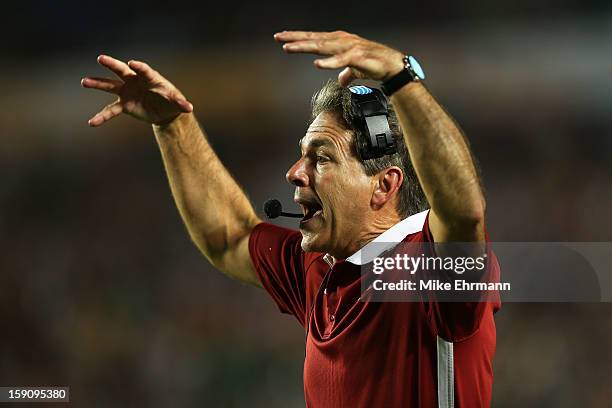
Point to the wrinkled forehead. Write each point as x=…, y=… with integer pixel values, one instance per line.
x=327, y=130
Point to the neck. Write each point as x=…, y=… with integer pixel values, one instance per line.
x=376, y=227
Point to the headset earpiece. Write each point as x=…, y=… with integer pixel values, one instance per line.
x=372, y=106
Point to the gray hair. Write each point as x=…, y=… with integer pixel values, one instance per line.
x=334, y=98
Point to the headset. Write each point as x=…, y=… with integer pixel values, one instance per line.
x=372, y=107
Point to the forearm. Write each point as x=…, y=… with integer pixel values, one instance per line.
x=217, y=213
x=441, y=158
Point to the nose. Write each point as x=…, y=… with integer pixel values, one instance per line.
x=297, y=174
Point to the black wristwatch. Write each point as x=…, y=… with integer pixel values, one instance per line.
x=412, y=72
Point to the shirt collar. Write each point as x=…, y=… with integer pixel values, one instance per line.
x=388, y=239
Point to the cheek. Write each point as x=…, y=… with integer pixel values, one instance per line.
x=357, y=186
x=350, y=197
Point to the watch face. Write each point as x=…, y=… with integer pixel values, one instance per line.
x=416, y=67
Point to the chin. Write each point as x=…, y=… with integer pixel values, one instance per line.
x=311, y=243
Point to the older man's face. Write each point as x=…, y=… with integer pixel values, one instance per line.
x=331, y=187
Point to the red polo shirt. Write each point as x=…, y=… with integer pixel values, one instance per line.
x=373, y=354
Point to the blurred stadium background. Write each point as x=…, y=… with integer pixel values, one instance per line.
x=100, y=287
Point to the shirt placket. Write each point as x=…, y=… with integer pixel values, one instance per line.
x=330, y=294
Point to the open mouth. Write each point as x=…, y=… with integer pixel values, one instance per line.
x=311, y=210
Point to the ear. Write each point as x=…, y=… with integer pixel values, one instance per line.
x=387, y=183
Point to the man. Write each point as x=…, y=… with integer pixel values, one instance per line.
x=358, y=354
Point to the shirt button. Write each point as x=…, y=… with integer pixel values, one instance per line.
x=332, y=318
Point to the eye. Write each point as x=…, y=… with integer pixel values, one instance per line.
x=321, y=159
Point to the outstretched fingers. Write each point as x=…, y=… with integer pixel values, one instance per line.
x=103, y=84
x=106, y=114
x=322, y=43
x=319, y=46
x=286, y=36
x=120, y=68
x=144, y=70
x=364, y=58
x=341, y=60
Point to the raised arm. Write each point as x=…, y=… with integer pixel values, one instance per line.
x=438, y=150
x=214, y=208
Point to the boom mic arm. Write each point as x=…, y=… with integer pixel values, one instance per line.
x=274, y=209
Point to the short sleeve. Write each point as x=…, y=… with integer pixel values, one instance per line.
x=279, y=261
x=457, y=321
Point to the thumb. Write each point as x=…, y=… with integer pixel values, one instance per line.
x=346, y=76
x=185, y=105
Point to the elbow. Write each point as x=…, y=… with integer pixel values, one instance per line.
x=470, y=222
x=476, y=212
x=217, y=244
x=465, y=222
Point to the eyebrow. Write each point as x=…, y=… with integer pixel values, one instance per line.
x=316, y=142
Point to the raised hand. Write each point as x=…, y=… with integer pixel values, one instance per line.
x=359, y=57
x=142, y=93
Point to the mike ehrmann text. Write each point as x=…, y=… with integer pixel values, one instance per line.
x=437, y=285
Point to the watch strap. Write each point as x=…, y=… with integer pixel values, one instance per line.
x=405, y=76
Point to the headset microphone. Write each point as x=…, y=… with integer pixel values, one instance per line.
x=274, y=209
